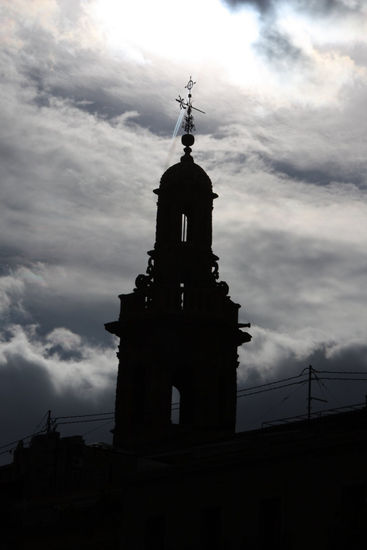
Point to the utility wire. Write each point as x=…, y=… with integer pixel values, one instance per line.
x=270, y=389
x=16, y=441
x=6, y=452
x=280, y=403
x=329, y=392
x=97, y=428
x=270, y=383
x=41, y=421
x=340, y=372
x=322, y=387
x=83, y=415
x=242, y=392
x=84, y=421
x=346, y=379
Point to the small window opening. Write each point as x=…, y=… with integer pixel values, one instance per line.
x=175, y=406
x=184, y=228
x=182, y=295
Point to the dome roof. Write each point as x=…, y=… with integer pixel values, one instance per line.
x=183, y=174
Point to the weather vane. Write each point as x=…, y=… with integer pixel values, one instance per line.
x=188, y=123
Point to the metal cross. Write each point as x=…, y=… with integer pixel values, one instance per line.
x=188, y=123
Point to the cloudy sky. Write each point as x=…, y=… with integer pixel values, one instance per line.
x=87, y=115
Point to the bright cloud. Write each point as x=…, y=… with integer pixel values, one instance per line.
x=196, y=30
x=89, y=371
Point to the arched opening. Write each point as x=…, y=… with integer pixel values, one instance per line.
x=182, y=295
x=183, y=228
x=175, y=406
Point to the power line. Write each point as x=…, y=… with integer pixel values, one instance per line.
x=83, y=415
x=97, y=428
x=16, y=441
x=280, y=403
x=340, y=372
x=6, y=452
x=42, y=419
x=271, y=389
x=84, y=421
x=271, y=383
x=345, y=379
x=241, y=392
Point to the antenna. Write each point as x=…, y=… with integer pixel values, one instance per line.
x=188, y=123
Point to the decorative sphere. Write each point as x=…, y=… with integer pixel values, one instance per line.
x=187, y=140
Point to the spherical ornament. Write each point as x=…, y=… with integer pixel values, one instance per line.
x=187, y=140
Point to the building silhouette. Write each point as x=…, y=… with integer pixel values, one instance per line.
x=192, y=484
x=179, y=328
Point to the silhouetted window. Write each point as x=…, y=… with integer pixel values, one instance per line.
x=211, y=535
x=175, y=406
x=155, y=533
x=182, y=295
x=270, y=523
x=184, y=228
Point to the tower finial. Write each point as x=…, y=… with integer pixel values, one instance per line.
x=188, y=123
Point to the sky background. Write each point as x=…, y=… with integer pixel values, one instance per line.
x=87, y=115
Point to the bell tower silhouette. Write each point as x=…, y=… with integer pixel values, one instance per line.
x=178, y=328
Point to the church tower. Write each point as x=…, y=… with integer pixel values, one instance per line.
x=178, y=328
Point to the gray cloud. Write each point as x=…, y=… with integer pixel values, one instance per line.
x=292, y=401
x=275, y=45
x=60, y=372
x=264, y=6
x=52, y=67
x=278, y=49
x=311, y=6
x=328, y=6
x=318, y=176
